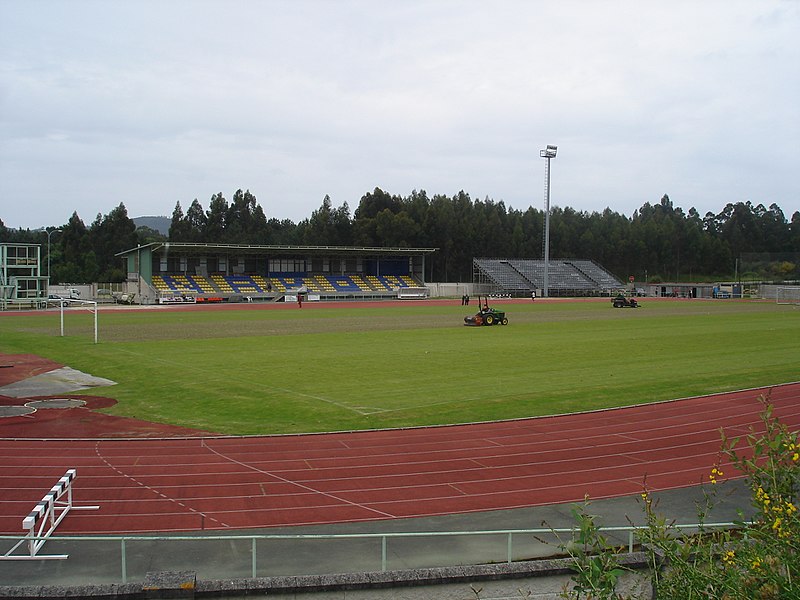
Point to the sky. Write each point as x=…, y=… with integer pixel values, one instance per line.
x=153, y=102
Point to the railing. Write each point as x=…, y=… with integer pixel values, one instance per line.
x=248, y=555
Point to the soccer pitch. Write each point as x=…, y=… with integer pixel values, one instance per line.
x=279, y=369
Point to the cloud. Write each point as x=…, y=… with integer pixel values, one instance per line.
x=150, y=103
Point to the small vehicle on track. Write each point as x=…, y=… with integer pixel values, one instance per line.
x=486, y=315
x=623, y=302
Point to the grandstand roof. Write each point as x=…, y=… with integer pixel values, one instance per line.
x=258, y=249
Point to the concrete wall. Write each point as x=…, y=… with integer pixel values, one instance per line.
x=450, y=290
x=538, y=579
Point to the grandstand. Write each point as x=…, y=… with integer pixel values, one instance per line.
x=181, y=272
x=520, y=277
x=261, y=287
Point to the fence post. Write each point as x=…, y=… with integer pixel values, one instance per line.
x=124, y=562
x=253, y=552
x=509, y=547
x=383, y=553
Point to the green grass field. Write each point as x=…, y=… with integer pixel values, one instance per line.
x=330, y=368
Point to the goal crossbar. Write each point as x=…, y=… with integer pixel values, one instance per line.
x=91, y=306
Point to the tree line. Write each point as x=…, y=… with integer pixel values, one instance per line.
x=659, y=242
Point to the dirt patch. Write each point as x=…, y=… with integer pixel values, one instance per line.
x=18, y=367
x=46, y=416
x=79, y=421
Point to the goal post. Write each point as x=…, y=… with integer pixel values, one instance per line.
x=89, y=305
x=788, y=294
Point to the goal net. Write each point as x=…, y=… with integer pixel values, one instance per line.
x=788, y=295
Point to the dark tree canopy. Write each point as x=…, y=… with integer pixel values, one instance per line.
x=658, y=241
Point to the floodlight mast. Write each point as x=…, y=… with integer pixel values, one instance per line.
x=547, y=153
x=49, y=233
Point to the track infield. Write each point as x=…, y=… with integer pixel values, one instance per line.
x=148, y=477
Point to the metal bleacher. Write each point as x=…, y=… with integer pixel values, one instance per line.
x=503, y=275
x=596, y=273
x=562, y=275
x=565, y=277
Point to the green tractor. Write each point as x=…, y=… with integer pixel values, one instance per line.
x=486, y=315
x=622, y=302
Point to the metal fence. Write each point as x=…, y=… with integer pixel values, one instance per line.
x=94, y=560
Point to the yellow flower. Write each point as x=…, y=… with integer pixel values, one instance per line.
x=715, y=472
x=728, y=557
x=792, y=448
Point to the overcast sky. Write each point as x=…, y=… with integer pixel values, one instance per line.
x=153, y=102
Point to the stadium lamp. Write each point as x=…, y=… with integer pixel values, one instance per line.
x=548, y=153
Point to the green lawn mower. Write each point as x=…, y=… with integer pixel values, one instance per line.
x=486, y=315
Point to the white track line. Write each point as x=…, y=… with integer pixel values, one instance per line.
x=300, y=485
x=155, y=491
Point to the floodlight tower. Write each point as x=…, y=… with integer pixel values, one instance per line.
x=547, y=153
x=49, y=233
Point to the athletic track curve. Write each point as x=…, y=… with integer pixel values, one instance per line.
x=228, y=483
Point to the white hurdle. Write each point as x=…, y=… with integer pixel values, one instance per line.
x=47, y=514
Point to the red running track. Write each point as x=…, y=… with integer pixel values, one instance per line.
x=162, y=485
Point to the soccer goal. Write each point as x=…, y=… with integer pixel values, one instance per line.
x=788, y=295
x=89, y=305
x=413, y=293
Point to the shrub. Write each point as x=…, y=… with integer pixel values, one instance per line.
x=760, y=559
